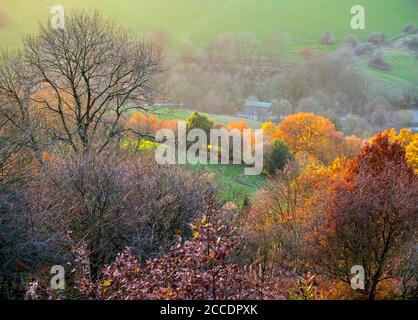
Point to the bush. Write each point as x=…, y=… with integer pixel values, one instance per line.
x=409, y=273
x=351, y=41
x=199, y=121
x=111, y=201
x=193, y=269
x=412, y=43
x=410, y=29
x=26, y=246
x=377, y=62
x=276, y=156
x=327, y=39
x=363, y=49
x=377, y=38
x=310, y=53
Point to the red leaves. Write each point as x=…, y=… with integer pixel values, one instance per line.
x=373, y=215
x=195, y=269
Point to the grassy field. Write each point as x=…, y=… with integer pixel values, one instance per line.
x=233, y=185
x=179, y=114
x=195, y=21
x=405, y=69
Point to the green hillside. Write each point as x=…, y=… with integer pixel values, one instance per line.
x=301, y=22
x=197, y=20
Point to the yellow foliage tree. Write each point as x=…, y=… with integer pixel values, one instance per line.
x=313, y=137
x=412, y=153
x=409, y=141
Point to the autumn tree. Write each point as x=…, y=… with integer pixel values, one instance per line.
x=306, y=132
x=372, y=216
x=145, y=124
x=312, y=136
x=240, y=125
x=287, y=210
x=412, y=153
x=409, y=141
x=199, y=121
x=4, y=18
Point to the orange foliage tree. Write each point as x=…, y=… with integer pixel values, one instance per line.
x=148, y=124
x=287, y=209
x=144, y=123
x=240, y=125
x=313, y=137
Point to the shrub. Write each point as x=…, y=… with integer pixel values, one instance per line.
x=199, y=121
x=310, y=53
x=327, y=39
x=111, y=200
x=377, y=38
x=412, y=43
x=285, y=212
x=193, y=269
x=363, y=49
x=26, y=245
x=409, y=273
x=377, y=62
x=410, y=29
x=351, y=41
x=276, y=156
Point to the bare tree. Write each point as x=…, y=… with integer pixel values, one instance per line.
x=20, y=137
x=110, y=200
x=79, y=82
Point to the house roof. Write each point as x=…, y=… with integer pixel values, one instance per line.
x=258, y=104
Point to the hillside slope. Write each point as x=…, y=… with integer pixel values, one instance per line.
x=197, y=20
